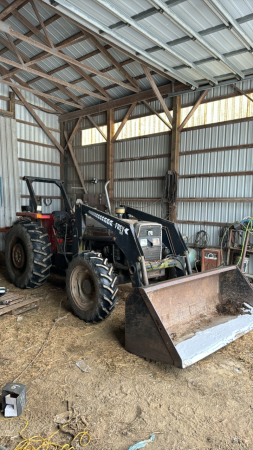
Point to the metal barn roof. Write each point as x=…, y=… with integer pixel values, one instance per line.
x=83, y=53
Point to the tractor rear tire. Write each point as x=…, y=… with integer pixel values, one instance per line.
x=91, y=287
x=28, y=254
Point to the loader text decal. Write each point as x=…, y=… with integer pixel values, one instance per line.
x=109, y=222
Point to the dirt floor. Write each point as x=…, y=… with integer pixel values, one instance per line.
x=122, y=399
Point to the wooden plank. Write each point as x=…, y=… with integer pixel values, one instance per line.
x=10, y=308
x=26, y=22
x=12, y=103
x=41, y=94
x=76, y=165
x=49, y=40
x=156, y=113
x=97, y=127
x=75, y=130
x=15, y=50
x=157, y=92
x=124, y=121
x=110, y=153
x=116, y=64
x=38, y=120
x=9, y=9
x=48, y=77
x=8, y=30
x=175, y=146
x=192, y=111
x=113, y=104
x=242, y=92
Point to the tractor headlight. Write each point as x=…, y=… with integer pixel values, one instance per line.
x=144, y=242
x=156, y=241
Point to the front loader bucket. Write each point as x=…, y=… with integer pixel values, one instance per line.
x=186, y=319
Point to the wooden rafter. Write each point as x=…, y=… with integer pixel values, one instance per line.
x=25, y=22
x=156, y=113
x=49, y=40
x=117, y=103
x=242, y=92
x=71, y=151
x=30, y=33
x=192, y=111
x=118, y=66
x=58, y=85
x=55, y=107
x=157, y=92
x=87, y=77
x=75, y=130
x=92, y=121
x=8, y=30
x=47, y=77
x=38, y=93
x=9, y=9
x=38, y=120
x=14, y=49
x=124, y=121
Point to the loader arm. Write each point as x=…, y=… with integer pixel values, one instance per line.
x=124, y=237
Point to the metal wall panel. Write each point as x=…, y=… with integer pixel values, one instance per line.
x=9, y=175
x=236, y=186
x=140, y=168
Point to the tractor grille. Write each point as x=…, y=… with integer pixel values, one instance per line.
x=149, y=231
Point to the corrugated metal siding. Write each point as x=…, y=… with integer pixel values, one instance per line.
x=9, y=175
x=39, y=149
x=239, y=186
x=134, y=148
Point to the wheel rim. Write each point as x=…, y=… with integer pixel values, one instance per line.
x=18, y=256
x=83, y=288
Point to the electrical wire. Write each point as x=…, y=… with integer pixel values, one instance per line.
x=40, y=443
x=169, y=190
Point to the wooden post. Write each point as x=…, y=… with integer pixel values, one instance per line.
x=109, y=152
x=62, y=159
x=12, y=103
x=175, y=146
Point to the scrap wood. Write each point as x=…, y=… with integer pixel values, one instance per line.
x=16, y=301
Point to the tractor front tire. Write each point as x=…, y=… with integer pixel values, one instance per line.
x=91, y=287
x=28, y=254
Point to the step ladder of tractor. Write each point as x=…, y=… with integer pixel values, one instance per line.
x=18, y=304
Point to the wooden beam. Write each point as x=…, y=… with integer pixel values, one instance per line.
x=49, y=40
x=8, y=30
x=38, y=93
x=71, y=151
x=9, y=9
x=88, y=78
x=14, y=49
x=56, y=108
x=118, y=103
x=175, y=146
x=35, y=66
x=118, y=65
x=38, y=120
x=25, y=22
x=156, y=113
x=123, y=123
x=157, y=92
x=109, y=153
x=192, y=111
x=97, y=127
x=48, y=77
x=242, y=92
x=73, y=133
x=12, y=103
